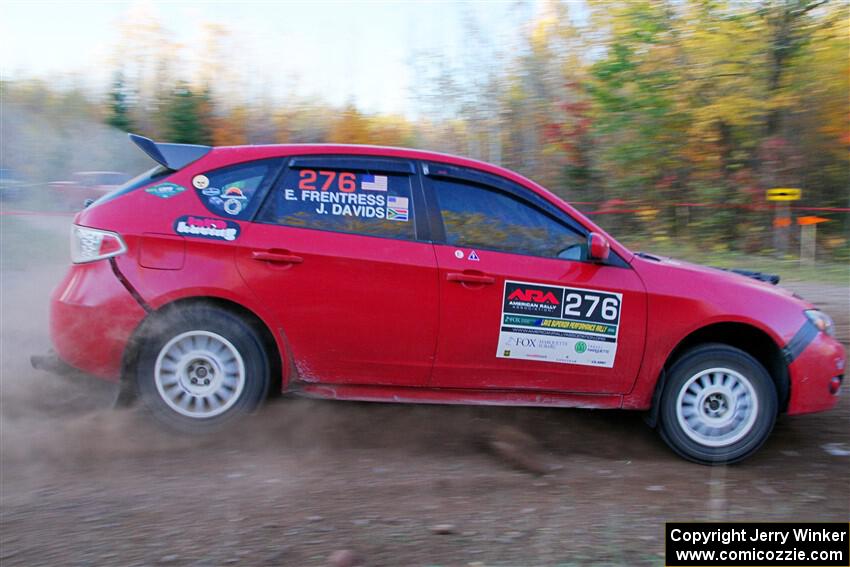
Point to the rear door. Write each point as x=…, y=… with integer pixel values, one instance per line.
x=520, y=305
x=338, y=254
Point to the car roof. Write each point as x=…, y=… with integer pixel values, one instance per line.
x=177, y=156
x=240, y=153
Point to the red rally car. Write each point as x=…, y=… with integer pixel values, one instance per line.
x=385, y=274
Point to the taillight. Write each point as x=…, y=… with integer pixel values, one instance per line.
x=89, y=244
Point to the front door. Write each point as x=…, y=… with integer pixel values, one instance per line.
x=334, y=252
x=521, y=307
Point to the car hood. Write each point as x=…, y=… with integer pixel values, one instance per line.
x=721, y=280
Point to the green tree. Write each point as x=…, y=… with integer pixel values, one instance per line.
x=119, y=107
x=186, y=120
x=639, y=124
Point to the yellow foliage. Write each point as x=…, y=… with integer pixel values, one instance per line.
x=350, y=127
x=229, y=130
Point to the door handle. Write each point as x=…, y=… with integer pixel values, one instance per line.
x=276, y=257
x=470, y=278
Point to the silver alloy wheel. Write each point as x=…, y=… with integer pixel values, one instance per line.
x=199, y=374
x=717, y=407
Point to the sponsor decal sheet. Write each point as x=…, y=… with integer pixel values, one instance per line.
x=559, y=324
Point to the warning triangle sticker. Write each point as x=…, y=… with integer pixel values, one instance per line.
x=473, y=256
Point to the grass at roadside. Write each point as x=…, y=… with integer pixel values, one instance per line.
x=789, y=269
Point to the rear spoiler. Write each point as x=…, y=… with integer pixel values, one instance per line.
x=171, y=156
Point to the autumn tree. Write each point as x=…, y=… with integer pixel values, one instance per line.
x=649, y=103
x=350, y=127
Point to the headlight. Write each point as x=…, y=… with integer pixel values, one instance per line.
x=822, y=321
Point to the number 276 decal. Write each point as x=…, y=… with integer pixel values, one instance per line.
x=309, y=180
x=585, y=305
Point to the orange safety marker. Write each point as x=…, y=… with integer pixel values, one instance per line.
x=808, y=238
x=806, y=221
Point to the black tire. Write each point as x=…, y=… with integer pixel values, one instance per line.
x=221, y=340
x=694, y=425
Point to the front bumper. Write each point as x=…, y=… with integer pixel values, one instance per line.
x=813, y=372
x=92, y=317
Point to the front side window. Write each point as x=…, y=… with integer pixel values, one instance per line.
x=475, y=216
x=230, y=192
x=366, y=202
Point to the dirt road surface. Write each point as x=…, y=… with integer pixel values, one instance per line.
x=82, y=484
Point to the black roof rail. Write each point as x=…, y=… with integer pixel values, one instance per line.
x=172, y=156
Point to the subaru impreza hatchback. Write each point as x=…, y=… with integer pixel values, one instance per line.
x=384, y=274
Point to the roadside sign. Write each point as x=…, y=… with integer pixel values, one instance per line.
x=784, y=194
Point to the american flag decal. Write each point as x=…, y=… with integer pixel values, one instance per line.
x=373, y=183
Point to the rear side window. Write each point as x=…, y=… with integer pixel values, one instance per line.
x=235, y=191
x=339, y=199
x=146, y=178
x=479, y=217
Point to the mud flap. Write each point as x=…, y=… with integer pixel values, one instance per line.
x=51, y=362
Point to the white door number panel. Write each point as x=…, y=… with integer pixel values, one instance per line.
x=559, y=324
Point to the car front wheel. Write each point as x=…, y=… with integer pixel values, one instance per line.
x=201, y=367
x=718, y=406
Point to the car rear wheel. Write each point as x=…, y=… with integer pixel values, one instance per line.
x=200, y=368
x=718, y=406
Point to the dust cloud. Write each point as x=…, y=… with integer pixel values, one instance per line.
x=305, y=481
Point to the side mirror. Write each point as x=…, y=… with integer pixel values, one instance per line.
x=598, y=247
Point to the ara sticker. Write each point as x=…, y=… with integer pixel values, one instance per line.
x=459, y=254
x=205, y=227
x=201, y=181
x=473, y=256
x=211, y=191
x=559, y=324
x=165, y=190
